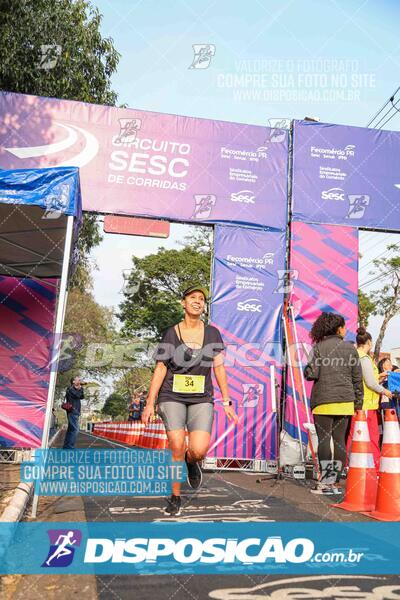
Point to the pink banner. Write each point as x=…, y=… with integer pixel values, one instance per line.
x=324, y=261
x=27, y=310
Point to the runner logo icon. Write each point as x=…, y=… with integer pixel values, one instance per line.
x=357, y=205
x=128, y=129
x=203, y=54
x=62, y=547
x=204, y=204
x=252, y=392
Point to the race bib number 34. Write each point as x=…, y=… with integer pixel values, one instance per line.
x=188, y=384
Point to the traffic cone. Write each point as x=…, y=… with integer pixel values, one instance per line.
x=361, y=485
x=388, y=498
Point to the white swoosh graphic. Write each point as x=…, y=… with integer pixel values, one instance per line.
x=32, y=151
x=397, y=185
x=88, y=153
x=83, y=158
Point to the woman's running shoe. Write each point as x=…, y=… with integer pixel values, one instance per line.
x=173, y=508
x=194, y=474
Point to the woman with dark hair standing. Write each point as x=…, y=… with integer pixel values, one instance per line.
x=372, y=389
x=334, y=367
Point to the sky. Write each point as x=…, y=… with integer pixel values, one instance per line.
x=335, y=60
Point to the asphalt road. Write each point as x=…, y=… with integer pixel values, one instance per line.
x=233, y=497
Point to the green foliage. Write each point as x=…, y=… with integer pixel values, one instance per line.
x=386, y=299
x=156, y=285
x=86, y=322
x=116, y=406
x=136, y=379
x=85, y=64
x=89, y=237
x=366, y=308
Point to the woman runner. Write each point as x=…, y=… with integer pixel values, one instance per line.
x=182, y=386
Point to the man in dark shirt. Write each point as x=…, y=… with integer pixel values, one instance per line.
x=73, y=395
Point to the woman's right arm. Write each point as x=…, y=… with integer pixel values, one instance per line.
x=156, y=382
x=369, y=379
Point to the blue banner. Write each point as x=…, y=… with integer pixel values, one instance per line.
x=346, y=175
x=224, y=548
x=248, y=289
x=249, y=268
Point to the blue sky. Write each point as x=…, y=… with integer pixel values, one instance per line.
x=336, y=60
x=269, y=37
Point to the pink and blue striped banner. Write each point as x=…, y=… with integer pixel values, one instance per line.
x=27, y=311
x=324, y=260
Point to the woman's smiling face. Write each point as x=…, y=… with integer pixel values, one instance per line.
x=194, y=303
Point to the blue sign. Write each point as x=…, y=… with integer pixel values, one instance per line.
x=186, y=548
x=346, y=175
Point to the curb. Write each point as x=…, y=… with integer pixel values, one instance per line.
x=19, y=501
x=16, y=507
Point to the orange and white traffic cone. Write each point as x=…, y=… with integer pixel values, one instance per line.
x=361, y=485
x=388, y=498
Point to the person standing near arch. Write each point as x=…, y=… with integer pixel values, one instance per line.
x=334, y=367
x=73, y=396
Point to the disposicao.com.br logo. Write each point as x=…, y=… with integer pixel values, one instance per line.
x=184, y=551
x=191, y=550
x=218, y=547
x=213, y=551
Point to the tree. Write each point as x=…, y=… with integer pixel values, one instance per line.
x=366, y=308
x=116, y=406
x=89, y=237
x=86, y=322
x=136, y=379
x=386, y=300
x=55, y=48
x=156, y=284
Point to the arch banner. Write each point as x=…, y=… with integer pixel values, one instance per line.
x=346, y=175
x=136, y=162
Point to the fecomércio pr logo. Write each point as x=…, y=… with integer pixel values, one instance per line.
x=63, y=543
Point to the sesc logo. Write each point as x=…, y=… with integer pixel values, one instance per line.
x=245, y=196
x=333, y=194
x=252, y=305
x=318, y=587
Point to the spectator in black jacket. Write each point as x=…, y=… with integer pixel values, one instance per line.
x=73, y=395
x=334, y=367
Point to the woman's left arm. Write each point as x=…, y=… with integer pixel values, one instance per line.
x=220, y=376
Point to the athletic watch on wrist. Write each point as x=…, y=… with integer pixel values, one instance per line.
x=226, y=402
